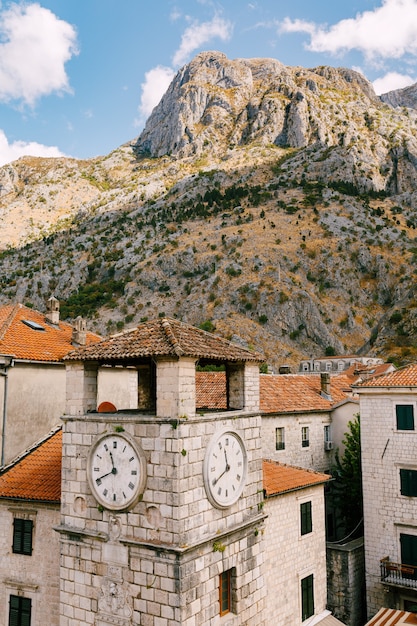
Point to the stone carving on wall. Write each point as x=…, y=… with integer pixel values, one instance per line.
x=114, y=604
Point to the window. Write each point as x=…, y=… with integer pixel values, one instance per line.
x=22, y=536
x=307, y=597
x=20, y=610
x=408, y=480
x=340, y=366
x=405, y=416
x=225, y=589
x=279, y=438
x=409, y=554
x=306, y=518
x=328, y=366
x=305, y=441
x=327, y=434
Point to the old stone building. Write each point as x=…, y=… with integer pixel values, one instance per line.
x=389, y=469
x=32, y=374
x=30, y=494
x=163, y=519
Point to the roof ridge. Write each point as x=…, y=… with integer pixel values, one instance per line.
x=7, y=322
x=169, y=333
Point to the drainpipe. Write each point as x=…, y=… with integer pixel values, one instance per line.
x=6, y=361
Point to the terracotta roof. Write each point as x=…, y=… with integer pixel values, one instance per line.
x=403, y=377
x=210, y=390
x=279, y=478
x=389, y=617
x=37, y=474
x=284, y=393
x=359, y=371
x=288, y=393
x=49, y=342
x=163, y=337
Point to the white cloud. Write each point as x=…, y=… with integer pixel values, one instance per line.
x=198, y=34
x=390, y=31
x=156, y=83
x=12, y=151
x=392, y=81
x=35, y=45
x=157, y=80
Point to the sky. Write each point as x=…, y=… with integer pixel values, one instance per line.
x=79, y=78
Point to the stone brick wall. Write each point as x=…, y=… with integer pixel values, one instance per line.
x=290, y=556
x=386, y=512
x=312, y=457
x=346, y=581
x=174, y=543
x=34, y=576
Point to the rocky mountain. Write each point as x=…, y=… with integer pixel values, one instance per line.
x=263, y=202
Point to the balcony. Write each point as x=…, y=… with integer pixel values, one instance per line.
x=398, y=574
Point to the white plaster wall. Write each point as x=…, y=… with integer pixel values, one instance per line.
x=35, y=403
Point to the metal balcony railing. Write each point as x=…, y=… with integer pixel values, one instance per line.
x=398, y=574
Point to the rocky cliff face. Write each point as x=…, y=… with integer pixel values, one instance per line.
x=215, y=105
x=272, y=203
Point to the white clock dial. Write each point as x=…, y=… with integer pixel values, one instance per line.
x=116, y=471
x=225, y=467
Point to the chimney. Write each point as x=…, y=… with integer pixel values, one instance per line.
x=79, y=332
x=52, y=311
x=325, y=385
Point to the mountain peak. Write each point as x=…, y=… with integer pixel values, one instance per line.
x=215, y=103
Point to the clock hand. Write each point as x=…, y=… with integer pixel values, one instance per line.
x=226, y=469
x=112, y=471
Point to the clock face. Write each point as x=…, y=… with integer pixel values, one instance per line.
x=225, y=467
x=116, y=471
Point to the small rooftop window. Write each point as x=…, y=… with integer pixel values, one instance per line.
x=33, y=325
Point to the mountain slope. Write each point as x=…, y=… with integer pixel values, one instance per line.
x=273, y=204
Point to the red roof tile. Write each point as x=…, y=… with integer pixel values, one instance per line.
x=403, y=377
x=163, y=337
x=285, y=393
x=49, y=343
x=36, y=475
x=279, y=478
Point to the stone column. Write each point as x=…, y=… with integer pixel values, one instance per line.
x=175, y=388
x=81, y=388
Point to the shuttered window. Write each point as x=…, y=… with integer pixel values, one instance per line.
x=306, y=519
x=20, y=611
x=225, y=589
x=408, y=479
x=405, y=416
x=22, y=536
x=307, y=597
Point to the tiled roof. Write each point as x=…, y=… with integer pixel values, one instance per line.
x=210, y=390
x=48, y=343
x=403, y=377
x=163, y=337
x=36, y=475
x=391, y=617
x=359, y=371
x=288, y=393
x=279, y=478
x=284, y=393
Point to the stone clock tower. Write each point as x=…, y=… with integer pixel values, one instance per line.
x=161, y=506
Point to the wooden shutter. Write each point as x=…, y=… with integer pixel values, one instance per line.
x=405, y=416
x=20, y=611
x=408, y=479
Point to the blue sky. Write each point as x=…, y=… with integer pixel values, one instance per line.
x=80, y=77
